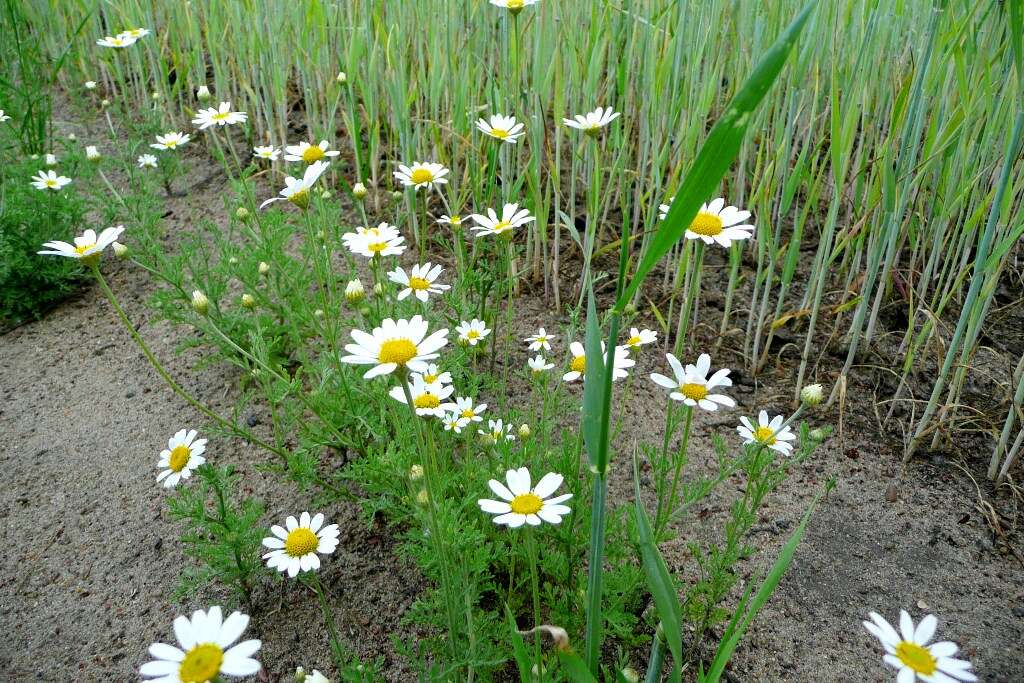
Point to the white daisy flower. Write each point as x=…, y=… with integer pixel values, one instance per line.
x=50, y=159
x=452, y=423
x=295, y=548
x=472, y=332
x=309, y=153
x=769, y=433
x=514, y=6
x=578, y=364
x=511, y=217
x=420, y=281
x=395, y=344
x=433, y=375
x=421, y=174
x=86, y=245
x=496, y=431
x=205, y=651
x=183, y=454
x=715, y=223
x=268, y=152
x=504, y=128
x=520, y=504
x=147, y=161
x=171, y=140
x=692, y=385
x=90, y=85
x=541, y=340
x=135, y=33
x=121, y=40
x=222, y=116
x=296, y=190
x=427, y=399
x=467, y=412
x=383, y=240
x=92, y=153
x=454, y=221
x=592, y=122
x=4, y=117
x=638, y=338
x=49, y=180
x=539, y=364
x=910, y=652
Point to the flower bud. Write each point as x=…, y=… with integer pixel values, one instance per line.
x=300, y=675
x=811, y=395
x=342, y=77
x=155, y=95
x=264, y=267
x=92, y=154
x=51, y=159
x=631, y=675
x=72, y=137
x=818, y=435
x=104, y=103
x=200, y=304
x=318, y=313
x=415, y=472
x=422, y=497
x=378, y=289
x=241, y=213
x=354, y=292
x=90, y=85
x=325, y=194
x=203, y=93
x=233, y=260
x=248, y=301
x=120, y=251
x=524, y=430
x=359, y=190
x=396, y=196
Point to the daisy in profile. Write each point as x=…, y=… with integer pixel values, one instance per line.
x=87, y=246
x=223, y=116
x=466, y=411
x=171, y=140
x=4, y=117
x=420, y=281
x=268, y=152
x=296, y=190
x=205, y=651
x=767, y=432
x=908, y=650
x=135, y=33
x=394, y=345
x=121, y=40
x=540, y=341
x=496, y=431
x=433, y=375
x=49, y=180
x=592, y=122
x=638, y=338
x=538, y=364
x=472, y=332
x=715, y=223
x=511, y=217
x=514, y=6
x=427, y=399
x=421, y=174
x=692, y=385
x=309, y=153
x=298, y=546
x=578, y=364
x=147, y=161
x=522, y=504
x=383, y=240
x=454, y=221
x=503, y=128
x=183, y=454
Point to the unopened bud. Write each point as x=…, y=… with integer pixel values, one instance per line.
x=321, y=235
x=359, y=190
x=51, y=159
x=264, y=267
x=342, y=77
x=378, y=289
x=422, y=497
x=325, y=194
x=354, y=292
x=202, y=93
x=155, y=95
x=811, y=395
x=200, y=304
x=120, y=251
x=90, y=85
x=396, y=196
x=248, y=301
x=817, y=435
x=318, y=313
x=104, y=103
x=524, y=430
x=631, y=674
x=241, y=213
x=416, y=472
x=300, y=675
x=72, y=137
x=91, y=153
x=233, y=260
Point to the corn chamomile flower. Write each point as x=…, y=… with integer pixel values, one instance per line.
x=472, y=332
x=222, y=116
x=578, y=364
x=496, y=431
x=294, y=548
x=768, y=433
x=638, y=338
x=50, y=159
x=394, y=345
x=147, y=161
x=49, y=180
x=541, y=340
x=454, y=221
x=383, y=240
x=539, y=364
x=511, y=217
x=592, y=122
x=909, y=651
x=421, y=174
x=309, y=153
x=466, y=411
x=268, y=152
x=87, y=246
x=427, y=399
x=420, y=281
x=692, y=385
x=121, y=40
x=171, y=140
x=296, y=190
x=205, y=651
x=183, y=454
x=433, y=375
x=503, y=128
x=715, y=223
x=452, y=423
x=522, y=504
x=135, y=33
x=514, y=6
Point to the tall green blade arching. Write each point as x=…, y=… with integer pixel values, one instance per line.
x=717, y=153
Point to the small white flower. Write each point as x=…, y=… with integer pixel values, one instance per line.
x=514, y=5
x=395, y=344
x=122, y=40
x=520, y=504
x=135, y=33
x=421, y=175
x=421, y=281
x=511, y=217
x=427, y=399
x=578, y=364
x=147, y=161
x=454, y=221
x=768, y=433
x=910, y=652
x=268, y=152
x=90, y=85
x=503, y=128
x=296, y=190
x=539, y=364
x=496, y=431
x=381, y=241
x=467, y=412
x=434, y=375
x=205, y=650
x=452, y=423
x=91, y=153
x=183, y=454
x=222, y=116
x=49, y=180
x=472, y=332
x=692, y=385
x=592, y=122
x=171, y=140
x=539, y=341
x=638, y=338
x=309, y=153
x=295, y=547
x=715, y=223
x=51, y=160
x=87, y=245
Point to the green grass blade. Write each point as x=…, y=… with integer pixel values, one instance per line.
x=593, y=384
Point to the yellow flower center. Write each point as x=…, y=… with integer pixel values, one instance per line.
x=300, y=199
x=81, y=249
x=179, y=457
x=579, y=364
x=399, y=351
x=694, y=392
x=422, y=175
x=502, y=227
x=50, y=182
x=377, y=247
x=427, y=400
x=472, y=334
x=418, y=283
x=201, y=663
x=917, y=658
x=526, y=504
x=633, y=341
x=499, y=133
x=514, y=4
x=765, y=435
x=706, y=224
x=301, y=541
x=221, y=115
x=468, y=412
x=312, y=153
x=455, y=220
x=430, y=379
